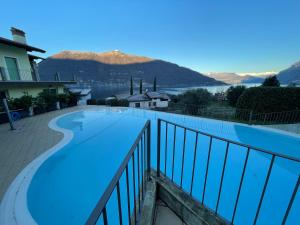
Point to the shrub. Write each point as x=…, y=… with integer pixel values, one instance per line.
x=194, y=99
x=233, y=93
x=123, y=102
x=270, y=99
x=112, y=102
x=73, y=99
x=91, y=101
x=46, y=100
x=198, y=97
x=23, y=102
x=271, y=81
x=101, y=101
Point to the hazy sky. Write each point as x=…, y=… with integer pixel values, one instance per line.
x=205, y=35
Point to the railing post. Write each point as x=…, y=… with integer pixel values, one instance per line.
x=149, y=150
x=158, y=146
x=250, y=117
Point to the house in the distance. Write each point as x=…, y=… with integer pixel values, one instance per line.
x=18, y=69
x=149, y=100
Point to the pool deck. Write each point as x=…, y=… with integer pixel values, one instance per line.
x=32, y=137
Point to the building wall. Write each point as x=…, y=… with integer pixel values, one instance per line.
x=83, y=99
x=22, y=60
x=17, y=92
x=160, y=104
x=143, y=105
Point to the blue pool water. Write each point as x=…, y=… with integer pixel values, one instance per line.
x=68, y=185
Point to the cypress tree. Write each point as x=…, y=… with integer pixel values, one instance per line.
x=141, y=86
x=154, y=84
x=131, y=86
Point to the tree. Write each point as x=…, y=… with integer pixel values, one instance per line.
x=141, y=86
x=233, y=94
x=131, y=86
x=154, y=84
x=194, y=99
x=271, y=81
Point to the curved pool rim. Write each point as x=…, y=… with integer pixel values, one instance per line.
x=14, y=209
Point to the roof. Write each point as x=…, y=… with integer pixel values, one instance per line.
x=35, y=57
x=80, y=91
x=29, y=83
x=20, y=45
x=138, y=98
x=154, y=94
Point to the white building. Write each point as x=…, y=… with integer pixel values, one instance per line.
x=83, y=94
x=149, y=100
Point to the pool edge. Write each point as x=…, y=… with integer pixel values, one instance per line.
x=13, y=207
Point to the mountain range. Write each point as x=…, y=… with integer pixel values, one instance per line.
x=234, y=78
x=290, y=75
x=115, y=68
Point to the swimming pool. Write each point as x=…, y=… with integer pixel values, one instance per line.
x=67, y=185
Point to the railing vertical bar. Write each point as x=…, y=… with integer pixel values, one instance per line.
x=158, y=146
x=142, y=165
x=174, y=145
x=104, y=216
x=166, y=148
x=119, y=204
x=291, y=202
x=128, y=196
x=139, y=181
x=183, y=152
x=134, y=192
x=148, y=152
x=207, y=167
x=264, y=189
x=222, y=177
x=240, y=185
x=194, y=162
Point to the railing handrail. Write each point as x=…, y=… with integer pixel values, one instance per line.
x=234, y=142
x=94, y=216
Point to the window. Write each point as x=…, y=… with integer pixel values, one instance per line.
x=154, y=103
x=137, y=105
x=12, y=68
x=149, y=104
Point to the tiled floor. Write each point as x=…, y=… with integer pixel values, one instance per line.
x=31, y=138
x=165, y=216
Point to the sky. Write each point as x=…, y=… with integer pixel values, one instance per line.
x=204, y=35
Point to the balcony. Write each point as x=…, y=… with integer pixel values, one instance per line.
x=12, y=74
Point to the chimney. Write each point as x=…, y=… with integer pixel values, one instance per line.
x=18, y=35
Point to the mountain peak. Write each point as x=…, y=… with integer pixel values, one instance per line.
x=111, y=57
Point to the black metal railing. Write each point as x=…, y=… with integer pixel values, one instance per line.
x=162, y=166
x=139, y=155
x=235, y=114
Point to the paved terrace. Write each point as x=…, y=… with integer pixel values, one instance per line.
x=32, y=137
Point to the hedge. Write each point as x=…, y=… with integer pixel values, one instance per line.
x=270, y=99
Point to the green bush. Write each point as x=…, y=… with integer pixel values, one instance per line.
x=270, y=99
x=23, y=102
x=112, y=102
x=91, y=101
x=271, y=82
x=233, y=93
x=198, y=97
x=46, y=100
x=101, y=101
x=123, y=102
